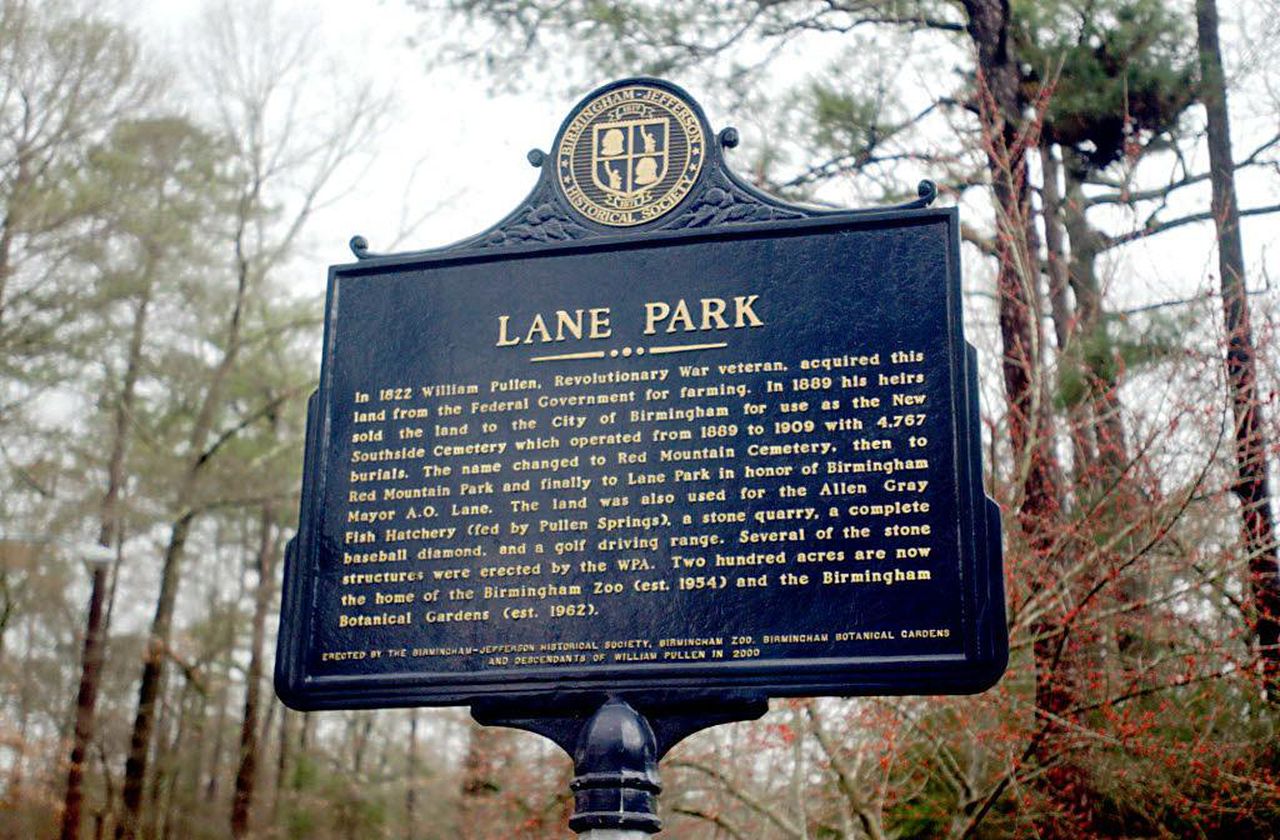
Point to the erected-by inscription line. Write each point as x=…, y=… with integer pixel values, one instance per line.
x=564, y=357
x=684, y=348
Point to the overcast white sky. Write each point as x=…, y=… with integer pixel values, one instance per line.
x=469, y=146
x=464, y=146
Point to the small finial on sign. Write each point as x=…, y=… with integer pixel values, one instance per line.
x=729, y=138
x=536, y=158
x=359, y=246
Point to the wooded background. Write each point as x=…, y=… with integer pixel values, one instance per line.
x=159, y=336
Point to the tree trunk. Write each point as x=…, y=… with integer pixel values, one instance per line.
x=1065, y=325
x=108, y=536
x=135, y=769
x=411, y=788
x=1242, y=374
x=1055, y=246
x=10, y=223
x=86, y=703
x=169, y=818
x=1098, y=365
x=1018, y=278
x=18, y=757
x=247, y=771
x=162, y=622
x=282, y=766
x=1115, y=492
x=211, y=788
x=1001, y=111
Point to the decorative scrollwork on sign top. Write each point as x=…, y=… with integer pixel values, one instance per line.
x=725, y=203
x=539, y=223
x=654, y=126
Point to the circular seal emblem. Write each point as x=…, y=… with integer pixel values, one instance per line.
x=630, y=155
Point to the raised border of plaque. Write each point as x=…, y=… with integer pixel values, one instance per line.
x=674, y=194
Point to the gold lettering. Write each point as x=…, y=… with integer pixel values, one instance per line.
x=571, y=323
x=653, y=313
x=744, y=315
x=503, y=340
x=538, y=327
x=713, y=311
x=681, y=314
x=600, y=323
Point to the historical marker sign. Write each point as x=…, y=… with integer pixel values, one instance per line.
x=654, y=432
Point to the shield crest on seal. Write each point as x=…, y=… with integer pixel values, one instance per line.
x=629, y=156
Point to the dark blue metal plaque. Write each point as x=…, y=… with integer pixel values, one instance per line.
x=654, y=434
